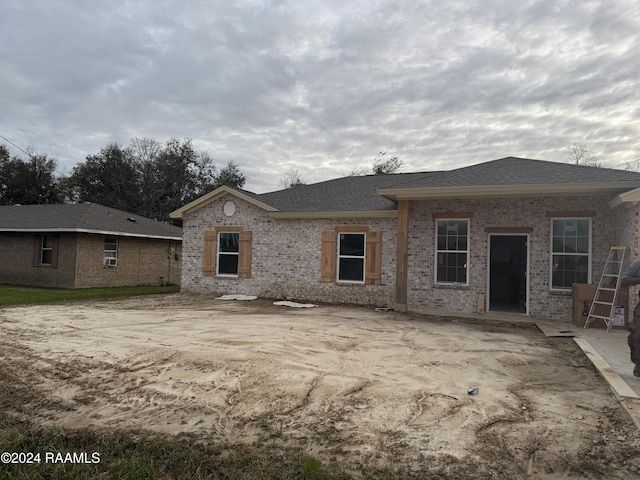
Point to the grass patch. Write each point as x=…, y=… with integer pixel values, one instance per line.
x=11, y=295
x=145, y=455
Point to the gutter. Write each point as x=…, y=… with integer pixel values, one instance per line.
x=88, y=230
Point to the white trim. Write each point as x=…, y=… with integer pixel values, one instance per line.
x=467, y=251
x=364, y=258
x=498, y=191
x=110, y=261
x=218, y=253
x=344, y=214
x=527, y=267
x=551, y=253
x=202, y=201
x=88, y=230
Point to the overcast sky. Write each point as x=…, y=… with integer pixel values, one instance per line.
x=323, y=86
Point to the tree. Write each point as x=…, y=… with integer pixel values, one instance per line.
x=379, y=166
x=580, y=154
x=149, y=178
x=109, y=178
x=231, y=176
x=292, y=178
x=27, y=182
x=384, y=166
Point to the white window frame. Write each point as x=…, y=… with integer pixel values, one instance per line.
x=218, y=253
x=363, y=257
x=44, y=249
x=437, y=251
x=110, y=260
x=551, y=252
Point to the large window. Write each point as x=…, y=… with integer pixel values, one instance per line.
x=110, y=257
x=570, y=252
x=228, y=253
x=452, y=251
x=351, y=256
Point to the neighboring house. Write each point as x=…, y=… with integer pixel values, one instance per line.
x=86, y=245
x=510, y=235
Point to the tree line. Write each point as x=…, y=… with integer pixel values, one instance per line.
x=145, y=177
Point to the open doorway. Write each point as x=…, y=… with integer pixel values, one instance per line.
x=508, y=273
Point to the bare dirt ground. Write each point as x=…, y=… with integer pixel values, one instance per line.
x=351, y=386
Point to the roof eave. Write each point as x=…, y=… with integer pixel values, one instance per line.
x=90, y=230
x=493, y=191
x=203, y=200
x=630, y=196
x=337, y=214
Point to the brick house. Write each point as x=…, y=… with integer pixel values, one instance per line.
x=506, y=235
x=86, y=245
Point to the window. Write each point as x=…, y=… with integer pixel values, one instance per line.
x=46, y=250
x=452, y=251
x=228, y=253
x=351, y=257
x=351, y=254
x=570, y=252
x=110, y=256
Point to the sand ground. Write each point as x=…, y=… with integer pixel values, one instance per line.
x=349, y=385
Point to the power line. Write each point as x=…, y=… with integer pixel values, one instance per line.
x=32, y=157
x=19, y=148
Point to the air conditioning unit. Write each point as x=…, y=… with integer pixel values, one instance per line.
x=110, y=262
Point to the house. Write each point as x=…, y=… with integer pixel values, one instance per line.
x=86, y=245
x=512, y=234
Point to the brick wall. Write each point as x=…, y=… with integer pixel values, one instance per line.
x=16, y=251
x=141, y=261
x=285, y=256
x=286, y=253
x=517, y=212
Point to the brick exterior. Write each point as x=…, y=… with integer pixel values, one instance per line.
x=285, y=256
x=141, y=261
x=286, y=253
x=515, y=212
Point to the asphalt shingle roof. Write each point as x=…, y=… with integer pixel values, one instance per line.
x=360, y=193
x=341, y=194
x=83, y=217
x=519, y=171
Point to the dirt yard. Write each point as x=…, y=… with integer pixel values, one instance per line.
x=353, y=387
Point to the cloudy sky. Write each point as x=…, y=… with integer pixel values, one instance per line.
x=323, y=86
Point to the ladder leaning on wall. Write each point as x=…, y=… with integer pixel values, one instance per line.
x=604, y=302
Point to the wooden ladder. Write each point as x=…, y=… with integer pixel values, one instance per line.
x=604, y=302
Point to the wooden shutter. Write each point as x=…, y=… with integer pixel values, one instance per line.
x=373, y=260
x=328, y=257
x=244, y=253
x=209, y=254
x=55, y=244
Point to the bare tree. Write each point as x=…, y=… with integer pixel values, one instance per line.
x=580, y=154
x=292, y=178
x=380, y=165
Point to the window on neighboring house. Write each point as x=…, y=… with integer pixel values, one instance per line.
x=452, y=251
x=570, y=252
x=228, y=253
x=46, y=250
x=351, y=257
x=110, y=252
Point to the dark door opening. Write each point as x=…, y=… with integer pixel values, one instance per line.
x=508, y=273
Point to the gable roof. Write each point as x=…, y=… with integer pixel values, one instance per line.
x=83, y=218
x=377, y=195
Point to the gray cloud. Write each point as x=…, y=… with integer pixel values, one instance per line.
x=324, y=86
